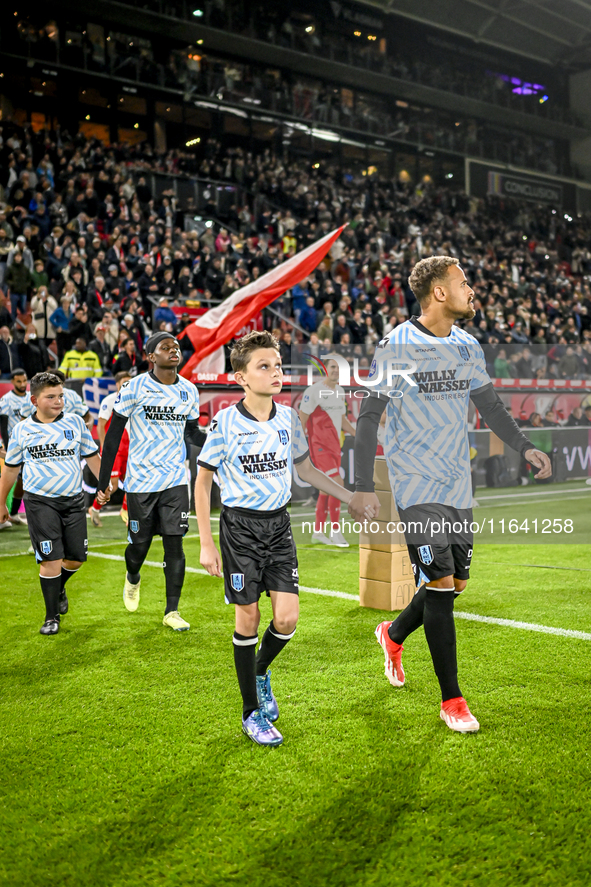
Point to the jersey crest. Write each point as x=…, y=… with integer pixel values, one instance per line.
x=426, y=554
x=464, y=352
x=237, y=580
x=283, y=435
x=69, y=434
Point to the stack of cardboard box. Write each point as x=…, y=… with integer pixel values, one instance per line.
x=386, y=580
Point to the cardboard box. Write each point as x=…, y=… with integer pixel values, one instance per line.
x=380, y=474
x=384, y=596
x=375, y=534
x=388, y=510
x=376, y=595
x=375, y=564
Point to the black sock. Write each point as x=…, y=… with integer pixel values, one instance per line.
x=135, y=555
x=174, y=570
x=50, y=586
x=66, y=574
x=244, y=660
x=440, y=631
x=16, y=504
x=410, y=619
x=271, y=646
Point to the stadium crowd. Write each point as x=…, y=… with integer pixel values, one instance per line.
x=90, y=262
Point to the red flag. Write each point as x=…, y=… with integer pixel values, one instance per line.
x=218, y=325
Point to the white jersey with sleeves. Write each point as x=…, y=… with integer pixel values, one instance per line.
x=73, y=403
x=332, y=402
x=107, y=405
x=157, y=416
x=50, y=453
x=426, y=434
x=253, y=459
x=14, y=407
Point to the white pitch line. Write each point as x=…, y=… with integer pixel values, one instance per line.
x=470, y=617
x=532, y=495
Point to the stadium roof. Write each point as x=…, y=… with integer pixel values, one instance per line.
x=552, y=31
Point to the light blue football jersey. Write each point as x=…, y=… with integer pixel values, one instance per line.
x=14, y=407
x=426, y=434
x=50, y=453
x=253, y=459
x=73, y=403
x=157, y=416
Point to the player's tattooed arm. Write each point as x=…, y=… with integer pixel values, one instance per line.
x=493, y=411
x=194, y=434
x=364, y=503
x=111, y=445
x=210, y=557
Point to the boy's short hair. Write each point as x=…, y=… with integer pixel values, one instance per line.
x=244, y=347
x=61, y=376
x=122, y=375
x=428, y=272
x=44, y=380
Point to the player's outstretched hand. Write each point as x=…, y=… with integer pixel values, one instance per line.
x=539, y=460
x=364, y=506
x=211, y=560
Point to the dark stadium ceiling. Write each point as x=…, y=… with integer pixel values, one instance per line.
x=553, y=31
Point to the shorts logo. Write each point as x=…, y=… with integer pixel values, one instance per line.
x=237, y=580
x=426, y=554
x=86, y=545
x=294, y=573
x=46, y=547
x=283, y=436
x=464, y=352
x=469, y=553
x=134, y=526
x=69, y=435
x=184, y=396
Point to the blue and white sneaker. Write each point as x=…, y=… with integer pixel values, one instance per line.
x=260, y=730
x=266, y=697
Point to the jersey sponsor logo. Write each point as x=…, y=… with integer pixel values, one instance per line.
x=255, y=463
x=68, y=434
x=426, y=554
x=49, y=451
x=240, y=433
x=464, y=352
x=425, y=350
x=134, y=526
x=283, y=436
x=237, y=580
x=184, y=396
x=434, y=380
x=46, y=547
x=162, y=414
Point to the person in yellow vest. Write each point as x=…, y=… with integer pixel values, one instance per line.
x=80, y=363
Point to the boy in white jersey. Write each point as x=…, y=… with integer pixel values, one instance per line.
x=12, y=410
x=323, y=414
x=427, y=450
x=251, y=447
x=73, y=403
x=49, y=445
x=162, y=410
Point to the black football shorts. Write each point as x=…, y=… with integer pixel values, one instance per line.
x=439, y=540
x=57, y=527
x=165, y=513
x=258, y=554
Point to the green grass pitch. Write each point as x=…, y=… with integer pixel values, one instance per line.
x=123, y=762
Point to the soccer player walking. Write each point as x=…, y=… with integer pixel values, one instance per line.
x=323, y=414
x=427, y=452
x=251, y=447
x=49, y=446
x=162, y=410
